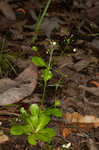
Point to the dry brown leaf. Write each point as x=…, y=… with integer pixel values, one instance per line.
x=80, y=65
x=91, y=144
x=49, y=24
x=95, y=83
x=3, y=137
x=20, y=88
x=85, y=122
x=7, y=10
x=77, y=120
x=93, y=90
x=66, y=132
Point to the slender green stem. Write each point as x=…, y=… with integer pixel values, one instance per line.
x=40, y=21
x=93, y=34
x=43, y=96
x=45, y=82
x=8, y=62
x=50, y=59
x=3, y=44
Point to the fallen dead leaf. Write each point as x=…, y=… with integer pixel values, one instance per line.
x=80, y=65
x=12, y=91
x=86, y=122
x=7, y=10
x=66, y=132
x=79, y=121
x=93, y=90
x=3, y=137
x=91, y=144
x=95, y=83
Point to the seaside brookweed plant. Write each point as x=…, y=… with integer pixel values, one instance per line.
x=35, y=122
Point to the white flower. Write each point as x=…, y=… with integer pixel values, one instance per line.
x=67, y=146
x=74, y=50
x=54, y=43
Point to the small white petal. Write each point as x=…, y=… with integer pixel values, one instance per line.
x=54, y=43
x=74, y=50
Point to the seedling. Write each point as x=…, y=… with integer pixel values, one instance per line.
x=34, y=124
x=69, y=40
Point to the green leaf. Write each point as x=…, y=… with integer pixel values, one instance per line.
x=32, y=121
x=38, y=61
x=57, y=103
x=27, y=129
x=17, y=130
x=46, y=135
x=24, y=113
x=34, y=48
x=54, y=111
x=32, y=140
x=47, y=74
x=34, y=109
x=42, y=122
x=48, y=131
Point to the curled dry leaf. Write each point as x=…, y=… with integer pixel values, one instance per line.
x=80, y=65
x=91, y=144
x=86, y=122
x=50, y=24
x=66, y=132
x=78, y=121
x=94, y=83
x=12, y=91
x=3, y=137
x=7, y=10
x=92, y=90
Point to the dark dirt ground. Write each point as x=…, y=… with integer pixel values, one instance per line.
x=75, y=65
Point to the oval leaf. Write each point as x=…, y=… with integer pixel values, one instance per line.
x=17, y=130
x=32, y=140
x=32, y=121
x=42, y=122
x=54, y=111
x=48, y=131
x=38, y=61
x=44, y=137
x=27, y=129
x=47, y=74
x=34, y=109
x=24, y=113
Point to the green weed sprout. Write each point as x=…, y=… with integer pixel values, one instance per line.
x=35, y=122
x=6, y=61
x=69, y=40
x=47, y=74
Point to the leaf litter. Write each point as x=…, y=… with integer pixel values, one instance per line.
x=79, y=98
x=13, y=91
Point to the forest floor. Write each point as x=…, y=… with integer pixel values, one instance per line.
x=73, y=27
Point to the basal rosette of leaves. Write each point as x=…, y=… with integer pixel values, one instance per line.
x=36, y=121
